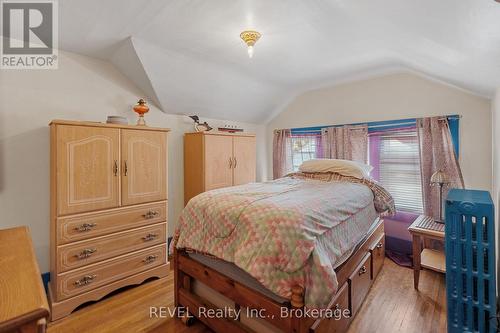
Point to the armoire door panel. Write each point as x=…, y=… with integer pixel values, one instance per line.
x=88, y=173
x=244, y=161
x=144, y=166
x=218, y=161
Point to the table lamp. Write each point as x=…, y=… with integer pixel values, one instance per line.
x=440, y=179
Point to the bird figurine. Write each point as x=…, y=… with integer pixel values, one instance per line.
x=205, y=127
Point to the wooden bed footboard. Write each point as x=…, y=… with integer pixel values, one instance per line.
x=355, y=278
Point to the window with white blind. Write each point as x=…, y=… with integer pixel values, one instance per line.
x=400, y=169
x=304, y=148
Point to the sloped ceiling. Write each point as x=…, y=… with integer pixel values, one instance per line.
x=187, y=56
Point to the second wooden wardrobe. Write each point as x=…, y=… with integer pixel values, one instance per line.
x=216, y=159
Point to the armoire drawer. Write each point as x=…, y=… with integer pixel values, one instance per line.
x=377, y=251
x=85, y=226
x=338, y=323
x=90, y=277
x=360, y=283
x=75, y=255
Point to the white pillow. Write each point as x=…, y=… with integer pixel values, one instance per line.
x=343, y=167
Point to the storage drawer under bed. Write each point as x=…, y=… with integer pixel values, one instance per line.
x=359, y=283
x=339, y=323
x=377, y=251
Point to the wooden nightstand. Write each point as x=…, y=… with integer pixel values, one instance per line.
x=424, y=227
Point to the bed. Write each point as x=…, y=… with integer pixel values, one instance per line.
x=297, y=254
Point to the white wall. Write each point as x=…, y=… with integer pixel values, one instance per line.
x=495, y=108
x=82, y=88
x=393, y=97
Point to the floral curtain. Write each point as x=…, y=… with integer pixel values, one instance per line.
x=282, y=153
x=349, y=142
x=333, y=142
x=436, y=153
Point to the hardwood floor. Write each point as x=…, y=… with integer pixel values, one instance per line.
x=392, y=306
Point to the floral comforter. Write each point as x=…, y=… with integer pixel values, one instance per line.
x=291, y=231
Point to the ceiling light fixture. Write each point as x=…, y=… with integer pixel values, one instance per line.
x=250, y=37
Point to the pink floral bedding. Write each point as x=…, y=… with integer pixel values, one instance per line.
x=293, y=230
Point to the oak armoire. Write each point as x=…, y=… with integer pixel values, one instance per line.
x=217, y=159
x=108, y=221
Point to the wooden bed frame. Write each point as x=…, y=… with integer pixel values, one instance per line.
x=355, y=278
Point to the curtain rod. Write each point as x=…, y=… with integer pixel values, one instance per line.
x=318, y=130
x=403, y=121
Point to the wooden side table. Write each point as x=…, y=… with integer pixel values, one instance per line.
x=424, y=227
x=23, y=303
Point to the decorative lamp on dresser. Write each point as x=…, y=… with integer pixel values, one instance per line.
x=108, y=210
x=217, y=159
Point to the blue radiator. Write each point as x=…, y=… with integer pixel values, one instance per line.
x=470, y=261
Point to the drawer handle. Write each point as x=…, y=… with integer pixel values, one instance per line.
x=362, y=270
x=85, y=253
x=379, y=245
x=149, y=259
x=85, y=227
x=149, y=237
x=151, y=214
x=87, y=279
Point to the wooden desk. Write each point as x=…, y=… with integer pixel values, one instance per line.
x=424, y=227
x=23, y=302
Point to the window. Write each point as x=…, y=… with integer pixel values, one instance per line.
x=399, y=169
x=304, y=148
